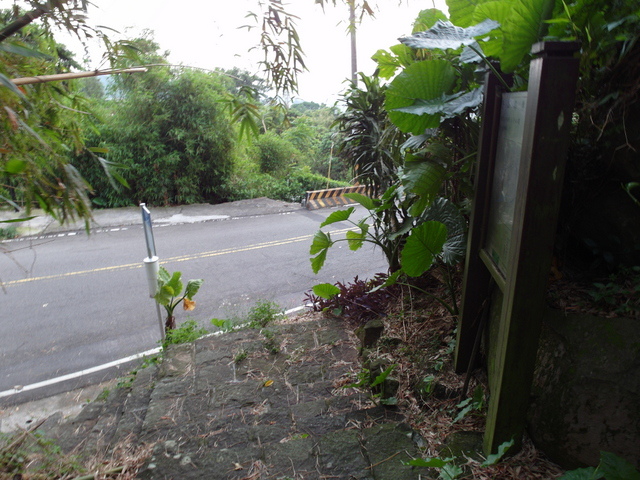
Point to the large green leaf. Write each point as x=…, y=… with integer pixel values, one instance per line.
x=355, y=239
x=446, y=105
x=422, y=246
x=416, y=141
x=426, y=80
x=427, y=19
x=367, y=202
x=192, y=287
x=175, y=283
x=321, y=241
x=472, y=54
x=461, y=11
x=163, y=276
x=616, y=468
x=387, y=63
x=526, y=25
x=424, y=178
x=164, y=295
x=320, y=245
x=444, y=211
x=338, y=216
x=588, y=473
x=390, y=61
x=318, y=261
x=497, y=10
x=445, y=35
x=326, y=290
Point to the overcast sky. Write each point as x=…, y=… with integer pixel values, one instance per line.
x=206, y=34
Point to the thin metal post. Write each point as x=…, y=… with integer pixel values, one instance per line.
x=151, y=263
x=148, y=232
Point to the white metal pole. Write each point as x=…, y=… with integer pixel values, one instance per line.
x=151, y=263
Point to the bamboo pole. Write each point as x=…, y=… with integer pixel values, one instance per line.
x=72, y=75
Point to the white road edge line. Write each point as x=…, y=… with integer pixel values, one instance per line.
x=71, y=376
x=297, y=309
x=115, y=363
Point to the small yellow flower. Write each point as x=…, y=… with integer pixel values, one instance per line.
x=188, y=304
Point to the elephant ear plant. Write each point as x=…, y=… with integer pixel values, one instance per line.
x=170, y=294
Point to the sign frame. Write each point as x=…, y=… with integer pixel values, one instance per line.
x=522, y=277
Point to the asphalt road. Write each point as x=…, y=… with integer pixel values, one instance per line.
x=74, y=301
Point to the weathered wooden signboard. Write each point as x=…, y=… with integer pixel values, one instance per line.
x=521, y=158
x=504, y=187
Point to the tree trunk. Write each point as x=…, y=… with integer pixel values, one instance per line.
x=352, y=33
x=21, y=22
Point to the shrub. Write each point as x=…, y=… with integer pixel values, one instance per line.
x=275, y=154
x=355, y=301
x=292, y=188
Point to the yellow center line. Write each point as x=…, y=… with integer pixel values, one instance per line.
x=180, y=258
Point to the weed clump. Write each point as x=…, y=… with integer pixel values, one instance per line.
x=357, y=301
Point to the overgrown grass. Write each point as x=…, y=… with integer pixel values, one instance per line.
x=7, y=233
x=30, y=455
x=263, y=313
x=188, y=331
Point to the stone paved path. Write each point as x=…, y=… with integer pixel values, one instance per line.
x=252, y=404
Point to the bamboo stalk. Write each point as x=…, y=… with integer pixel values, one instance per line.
x=72, y=75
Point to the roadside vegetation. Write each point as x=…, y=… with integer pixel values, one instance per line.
x=409, y=132
x=168, y=136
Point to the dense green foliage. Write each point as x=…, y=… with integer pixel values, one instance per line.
x=182, y=136
x=42, y=122
x=168, y=136
x=369, y=142
x=172, y=137
x=275, y=154
x=434, y=95
x=289, y=189
x=40, y=125
x=603, y=170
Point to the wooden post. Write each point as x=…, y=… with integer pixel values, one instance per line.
x=550, y=99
